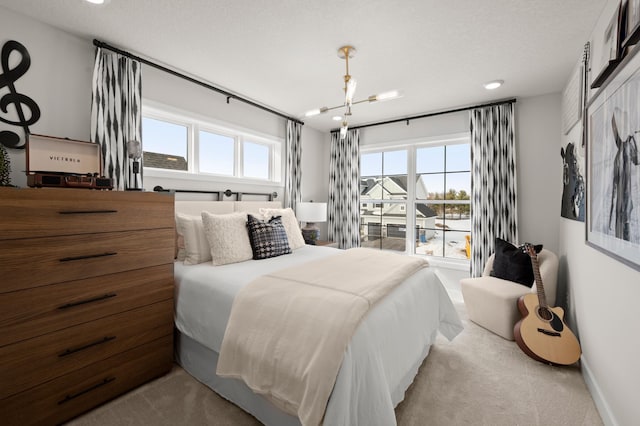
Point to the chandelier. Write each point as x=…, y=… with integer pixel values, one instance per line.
x=347, y=52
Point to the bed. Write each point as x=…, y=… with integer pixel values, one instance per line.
x=379, y=363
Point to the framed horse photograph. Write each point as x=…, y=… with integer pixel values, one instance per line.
x=613, y=165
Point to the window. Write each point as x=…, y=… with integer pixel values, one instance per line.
x=165, y=144
x=417, y=198
x=443, y=204
x=180, y=144
x=217, y=153
x=384, y=181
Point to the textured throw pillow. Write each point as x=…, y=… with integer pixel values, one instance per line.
x=268, y=239
x=228, y=237
x=291, y=225
x=512, y=263
x=195, y=247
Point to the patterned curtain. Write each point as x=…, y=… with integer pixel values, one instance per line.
x=493, y=181
x=343, y=210
x=293, y=173
x=116, y=115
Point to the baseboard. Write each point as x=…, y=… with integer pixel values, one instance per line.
x=598, y=398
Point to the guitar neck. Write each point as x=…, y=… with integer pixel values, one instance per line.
x=542, y=299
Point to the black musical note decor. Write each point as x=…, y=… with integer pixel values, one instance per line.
x=19, y=101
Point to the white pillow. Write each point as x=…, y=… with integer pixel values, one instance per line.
x=228, y=237
x=196, y=246
x=291, y=225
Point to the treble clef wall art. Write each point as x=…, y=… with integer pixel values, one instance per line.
x=18, y=101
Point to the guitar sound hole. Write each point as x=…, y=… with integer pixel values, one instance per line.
x=544, y=314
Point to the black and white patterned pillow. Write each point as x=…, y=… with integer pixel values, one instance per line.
x=268, y=239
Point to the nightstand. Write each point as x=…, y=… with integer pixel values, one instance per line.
x=326, y=243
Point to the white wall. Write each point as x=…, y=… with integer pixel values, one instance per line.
x=60, y=82
x=602, y=302
x=539, y=169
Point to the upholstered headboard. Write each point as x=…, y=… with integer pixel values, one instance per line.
x=222, y=207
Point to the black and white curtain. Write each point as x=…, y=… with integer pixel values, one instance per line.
x=293, y=172
x=116, y=115
x=493, y=181
x=343, y=209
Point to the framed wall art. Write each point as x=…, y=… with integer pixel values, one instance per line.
x=613, y=165
x=610, y=48
x=632, y=23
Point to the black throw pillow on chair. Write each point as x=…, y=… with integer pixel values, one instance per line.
x=513, y=263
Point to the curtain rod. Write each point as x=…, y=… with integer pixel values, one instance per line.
x=229, y=95
x=432, y=114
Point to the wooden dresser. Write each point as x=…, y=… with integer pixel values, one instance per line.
x=86, y=298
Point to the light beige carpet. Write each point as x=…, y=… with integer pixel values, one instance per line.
x=478, y=379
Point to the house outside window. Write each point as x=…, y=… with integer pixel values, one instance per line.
x=420, y=194
x=180, y=145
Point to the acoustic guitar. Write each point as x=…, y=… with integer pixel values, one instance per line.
x=542, y=333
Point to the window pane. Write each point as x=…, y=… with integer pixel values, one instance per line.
x=430, y=160
x=442, y=230
x=395, y=163
x=394, y=187
x=459, y=158
x=455, y=244
x=216, y=153
x=430, y=187
x=371, y=164
x=255, y=159
x=459, y=182
x=384, y=226
x=429, y=222
x=371, y=188
x=164, y=144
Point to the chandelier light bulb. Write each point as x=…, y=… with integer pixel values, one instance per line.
x=350, y=91
x=316, y=111
x=384, y=96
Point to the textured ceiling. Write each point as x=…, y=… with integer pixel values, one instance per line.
x=283, y=53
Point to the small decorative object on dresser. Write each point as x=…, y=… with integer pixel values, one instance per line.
x=311, y=213
x=86, y=299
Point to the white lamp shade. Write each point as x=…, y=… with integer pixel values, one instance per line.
x=311, y=212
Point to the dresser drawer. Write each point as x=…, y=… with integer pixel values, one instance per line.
x=68, y=396
x=36, y=311
x=35, y=262
x=37, y=360
x=47, y=212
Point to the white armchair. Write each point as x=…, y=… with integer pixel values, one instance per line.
x=493, y=302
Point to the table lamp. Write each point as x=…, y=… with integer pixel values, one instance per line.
x=311, y=213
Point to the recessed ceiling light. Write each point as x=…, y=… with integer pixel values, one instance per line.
x=96, y=1
x=493, y=84
x=336, y=118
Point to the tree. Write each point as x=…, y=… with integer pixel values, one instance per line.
x=463, y=208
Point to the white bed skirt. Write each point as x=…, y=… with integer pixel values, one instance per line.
x=200, y=362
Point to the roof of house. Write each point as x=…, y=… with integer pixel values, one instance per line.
x=401, y=182
x=164, y=161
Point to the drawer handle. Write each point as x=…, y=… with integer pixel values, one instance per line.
x=87, y=256
x=82, y=302
x=105, y=339
x=71, y=396
x=87, y=211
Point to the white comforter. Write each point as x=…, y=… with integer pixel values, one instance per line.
x=383, y=356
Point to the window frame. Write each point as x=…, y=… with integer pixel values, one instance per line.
x=411, y=146
x=196, y=123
